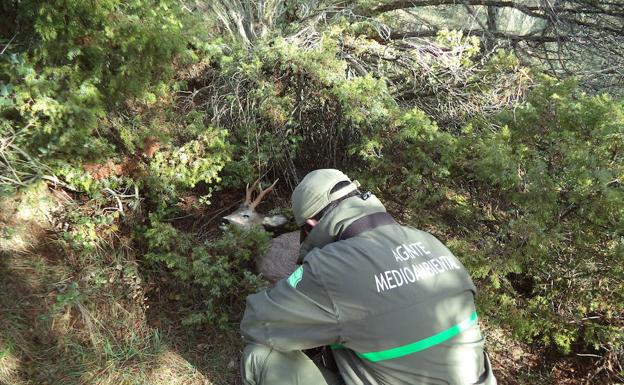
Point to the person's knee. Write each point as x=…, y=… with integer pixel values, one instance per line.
x=261, y=365
x=253, y=362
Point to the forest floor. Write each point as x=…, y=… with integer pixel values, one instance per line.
x=54, y=331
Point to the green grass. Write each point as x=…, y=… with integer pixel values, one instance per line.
x=6, y=348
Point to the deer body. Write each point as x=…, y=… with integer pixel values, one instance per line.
x=279, y=261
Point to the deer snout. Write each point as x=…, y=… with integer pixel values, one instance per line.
x=223, y=223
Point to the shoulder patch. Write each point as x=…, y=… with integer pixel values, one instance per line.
x=296, y=277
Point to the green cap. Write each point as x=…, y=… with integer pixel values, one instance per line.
x=313, y=193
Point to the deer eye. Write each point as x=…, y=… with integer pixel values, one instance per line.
x=245, y=215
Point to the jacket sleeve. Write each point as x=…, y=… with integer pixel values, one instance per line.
x=296, y=314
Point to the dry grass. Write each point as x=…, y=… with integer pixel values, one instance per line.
x=70, y=321
x=171, y=368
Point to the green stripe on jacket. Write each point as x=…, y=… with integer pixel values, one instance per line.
x=417, y=346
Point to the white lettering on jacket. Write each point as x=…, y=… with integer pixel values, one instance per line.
x=405, y=252
x=404, y=275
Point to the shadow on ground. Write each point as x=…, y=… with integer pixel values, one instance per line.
x=213, y=352
x=70, y=321
x=30, y=350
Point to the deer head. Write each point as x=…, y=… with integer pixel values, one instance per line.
x=246, y=216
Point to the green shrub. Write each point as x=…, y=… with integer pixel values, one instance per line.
x=289, y=107
x=556, y=164
x=198, y=160
x=216, y=276
x=123, y=47
x=71, y=62
x=532, y=202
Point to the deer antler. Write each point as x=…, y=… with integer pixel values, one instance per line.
x=261, y=194
x=249, y=191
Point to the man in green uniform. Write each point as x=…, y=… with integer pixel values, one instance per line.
x=392, y=302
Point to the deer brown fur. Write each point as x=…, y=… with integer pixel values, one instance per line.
x=279, y=261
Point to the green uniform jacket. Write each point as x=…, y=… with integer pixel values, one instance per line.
x=393, y=302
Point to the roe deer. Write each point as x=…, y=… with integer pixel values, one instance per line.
x=279, y=261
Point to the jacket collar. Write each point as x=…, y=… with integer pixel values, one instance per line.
x=332, y=224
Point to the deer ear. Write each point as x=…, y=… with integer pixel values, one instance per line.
x=274, y=221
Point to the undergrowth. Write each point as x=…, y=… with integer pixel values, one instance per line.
x=75, y=307
x=142, y=124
